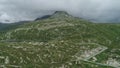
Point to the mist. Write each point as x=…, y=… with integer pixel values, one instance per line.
x=27, y=10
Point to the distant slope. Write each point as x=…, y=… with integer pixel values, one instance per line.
x=3, y=26
x=8, y=26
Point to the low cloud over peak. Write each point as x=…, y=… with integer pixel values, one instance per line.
x=95, y=10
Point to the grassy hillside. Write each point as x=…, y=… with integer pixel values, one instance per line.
x=61, y=41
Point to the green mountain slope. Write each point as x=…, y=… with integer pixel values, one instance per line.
x=61, y=41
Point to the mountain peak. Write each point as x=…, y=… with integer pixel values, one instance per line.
x=56, y=14
x=60, y=15
x=61, y=12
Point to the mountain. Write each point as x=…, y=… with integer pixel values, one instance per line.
x=61, y=41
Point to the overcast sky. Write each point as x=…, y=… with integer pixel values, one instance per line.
x=98, y=10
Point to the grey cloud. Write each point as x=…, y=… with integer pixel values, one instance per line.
x=95, y=10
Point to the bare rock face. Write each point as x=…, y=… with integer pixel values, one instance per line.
x=60, y=14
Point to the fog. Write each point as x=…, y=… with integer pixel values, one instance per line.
x=95, y=10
